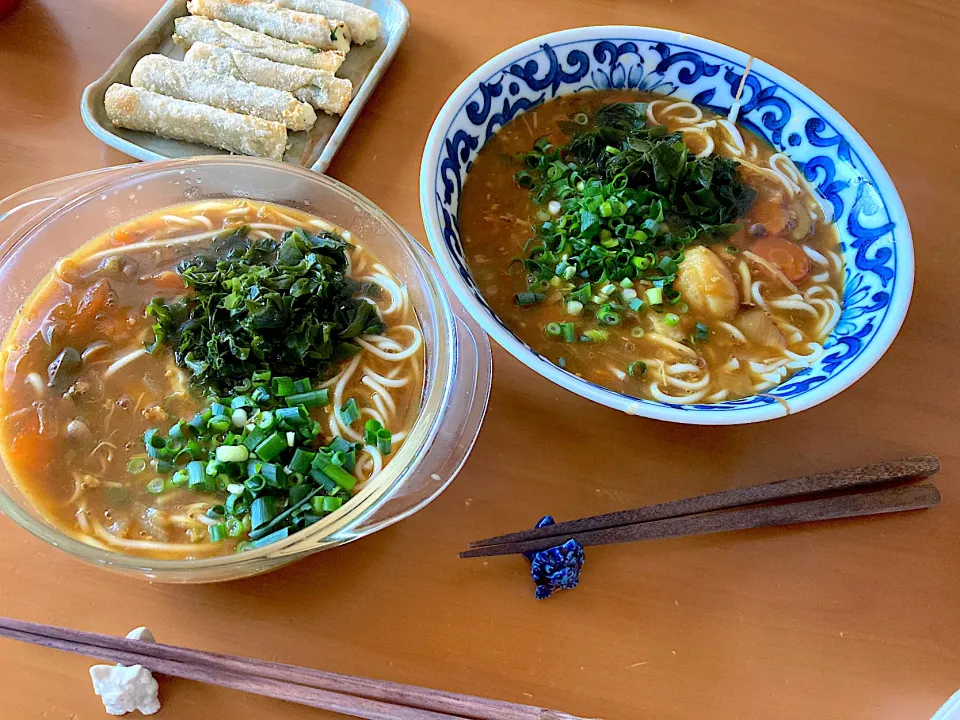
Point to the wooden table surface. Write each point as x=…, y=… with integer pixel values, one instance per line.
x=854, y=619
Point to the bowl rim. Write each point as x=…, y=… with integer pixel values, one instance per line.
x=871, y=354
x=436, y=395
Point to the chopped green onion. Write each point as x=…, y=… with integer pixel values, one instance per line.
x=302, y=385
x=181, y=431
x=242, y=401
x=349, y=412
x=283, y=386
x=199, y=423
x=220, y=423
x=232, y=453
x=268, y=539
x=217, y=532
x=370, y=430
x=262, y=511
x=574, y=307
x=330, y=504
x=239, y=418
x=668, y=266
x=637, y=368
x=313, y=398
x=255, y=437
x=384, y=441
x=553, y=329
x=301, y=461
x=340, y=476
x=271, y=447
x=197, y=476
x=255, y=484
x=671, y=319
x=293, y=416
x=701, y=334
x=266, y=419
x=582, y=294
x=341, y=445
x=654, y=296
x=152, y=440
x=607, y=316
x=528, y=298
x=569, y=332
x=235, y=527
x=155, y=486
x=637, y=332
x=136, y=465
x=596, y=336
x=179, y=478
x=732, y=249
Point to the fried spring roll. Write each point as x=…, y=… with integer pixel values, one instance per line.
x=146, y=111
x=321, y=89
x=363, y=23
x=191, y=29
x=277, y=22
x=196, y=83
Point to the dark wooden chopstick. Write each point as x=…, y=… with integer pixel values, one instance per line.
x=847, y=479
x=915, y=497
x=346, y=694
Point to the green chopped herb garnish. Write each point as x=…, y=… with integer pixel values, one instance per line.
x=275, y=475
x=630, y=198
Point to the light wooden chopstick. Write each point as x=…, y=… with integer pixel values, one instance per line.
x=346, y=694
x=730, y=509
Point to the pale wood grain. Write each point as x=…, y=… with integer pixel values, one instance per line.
x=855, y=620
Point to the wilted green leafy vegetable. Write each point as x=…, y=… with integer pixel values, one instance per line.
x=264, y=305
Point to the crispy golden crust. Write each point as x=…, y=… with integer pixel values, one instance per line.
x=277, y=22
x=320, y=89
x=363, y=23
x=191, y=29
x=146, y=111
x=196, y=83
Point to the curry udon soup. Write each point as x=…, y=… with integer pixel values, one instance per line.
x=652, y=247
x=208, y=378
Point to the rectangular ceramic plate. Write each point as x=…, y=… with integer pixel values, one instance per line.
x=364, y=67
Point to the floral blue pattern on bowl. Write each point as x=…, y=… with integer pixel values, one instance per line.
x=854, y=190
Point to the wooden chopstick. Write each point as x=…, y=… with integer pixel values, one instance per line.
x=900, y=499
x=847, y=479
x=346, y=694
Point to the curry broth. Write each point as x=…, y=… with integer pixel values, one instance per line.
x=497, y=220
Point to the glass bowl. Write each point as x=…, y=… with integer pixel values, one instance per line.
x=43, y=223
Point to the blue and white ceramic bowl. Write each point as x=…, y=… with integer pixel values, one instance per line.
x=854, y=188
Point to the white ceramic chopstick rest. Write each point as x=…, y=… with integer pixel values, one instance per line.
x=124, y=689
